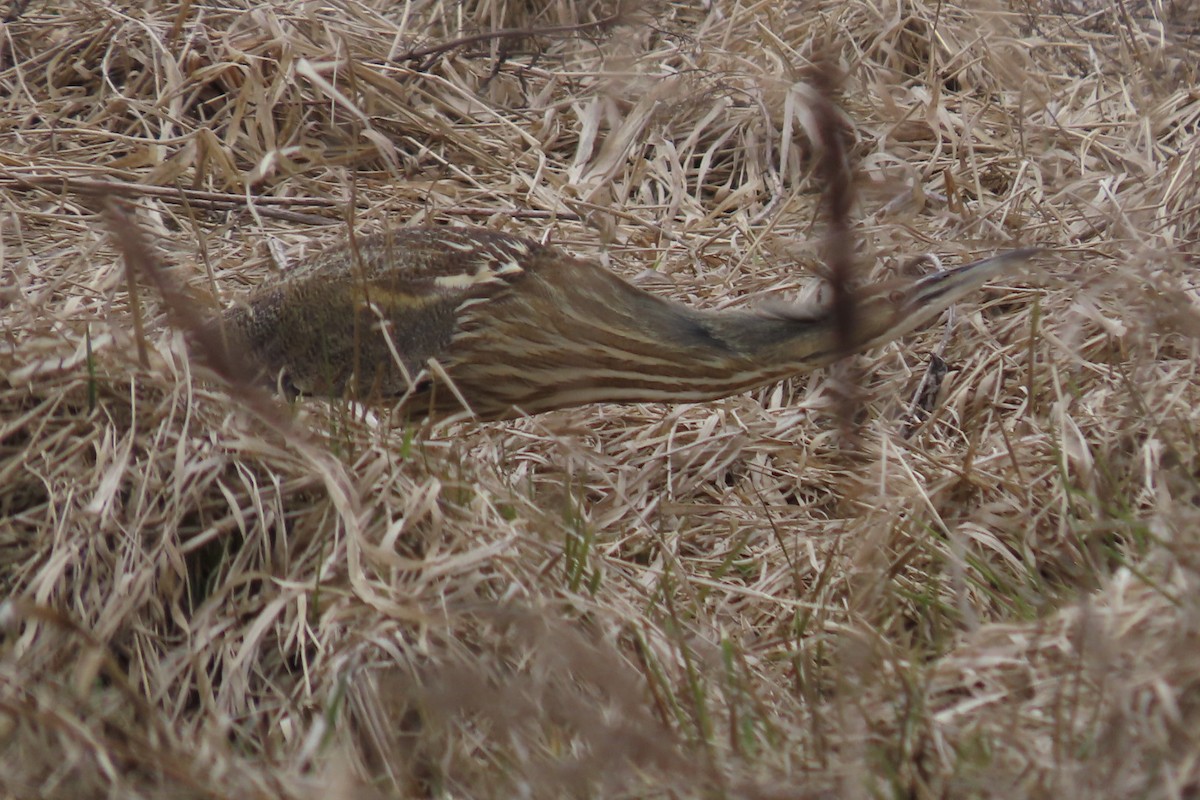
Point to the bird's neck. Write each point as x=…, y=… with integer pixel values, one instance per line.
x=707, y=353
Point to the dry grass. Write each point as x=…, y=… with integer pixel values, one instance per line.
x=218, y=598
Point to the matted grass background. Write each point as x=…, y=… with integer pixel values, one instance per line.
x=717, y=600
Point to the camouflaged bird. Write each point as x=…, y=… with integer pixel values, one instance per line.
x=449, y=320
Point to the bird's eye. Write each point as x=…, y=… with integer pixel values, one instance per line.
x=897, y=296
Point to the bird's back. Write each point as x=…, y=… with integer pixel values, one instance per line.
x=365, y=318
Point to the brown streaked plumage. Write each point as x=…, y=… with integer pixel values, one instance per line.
x=443, y=316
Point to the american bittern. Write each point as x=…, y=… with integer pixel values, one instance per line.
x=447, y=317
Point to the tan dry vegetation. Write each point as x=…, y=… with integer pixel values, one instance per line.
x=210, y=597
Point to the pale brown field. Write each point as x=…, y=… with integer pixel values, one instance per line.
x=213, y=597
